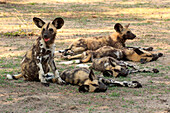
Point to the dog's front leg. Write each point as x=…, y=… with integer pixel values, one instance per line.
x=41, y=71
x=57, y=77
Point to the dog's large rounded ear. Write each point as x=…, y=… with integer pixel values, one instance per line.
x=127, y=25
x=111, y=61
x=58, y=23
x=38, y=22
x=84, y=88
x=118, y=27
x=108, y=73
x=92, y=75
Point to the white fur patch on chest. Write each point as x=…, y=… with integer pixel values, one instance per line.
x=51, y=48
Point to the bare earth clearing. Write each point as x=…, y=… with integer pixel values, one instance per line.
x=149, y=21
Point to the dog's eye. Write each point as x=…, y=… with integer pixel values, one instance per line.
x=51, y=29
x=94, y=84
x=43, y=29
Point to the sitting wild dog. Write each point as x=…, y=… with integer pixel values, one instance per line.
x=132, y=54
x=36, y=62
x=88, y=82
x=112, y=67
x=116, y=40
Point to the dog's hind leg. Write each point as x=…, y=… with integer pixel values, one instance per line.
x=72, y=51
x=136, y=69
x=146, y=49
x=78, y=56
x=111, y=82
x=86, y=57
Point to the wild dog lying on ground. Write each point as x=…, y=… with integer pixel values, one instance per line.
x=112, y=67
x=116, y=40
x=36, y=62
x=88, y=82
x=132, y=54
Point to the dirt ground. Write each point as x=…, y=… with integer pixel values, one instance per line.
x=149, y=20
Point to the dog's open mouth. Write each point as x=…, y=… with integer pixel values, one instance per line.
x=46, y=39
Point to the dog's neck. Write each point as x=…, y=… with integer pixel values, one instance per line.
x=46, y=45
x=117, y=37
x=121, y=39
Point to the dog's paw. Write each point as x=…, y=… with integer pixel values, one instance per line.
x=155, y=70
x=136, y=84
x=160, y=54
x=60, y=81
x=46, y=84
x=149, y=49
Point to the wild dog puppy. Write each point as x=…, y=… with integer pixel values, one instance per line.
x=38, y=61
x=89, y=82
x=112, y=67
x=132, y=54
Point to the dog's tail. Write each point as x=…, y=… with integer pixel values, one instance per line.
x=130, y=84
x=15, y=77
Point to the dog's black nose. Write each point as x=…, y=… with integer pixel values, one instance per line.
x=45, y=35
x=134, y=36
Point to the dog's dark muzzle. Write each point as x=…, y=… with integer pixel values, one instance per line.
x=124, y=72
x=102, y=87
x=133, y=36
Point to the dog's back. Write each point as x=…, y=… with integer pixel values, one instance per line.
x=85, y=79
x=116, y=40
x=76, y=76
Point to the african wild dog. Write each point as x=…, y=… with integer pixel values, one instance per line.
x=88, y=82
x=36, y=62
x=112, y=67
x=132, y=54
x=116, y=40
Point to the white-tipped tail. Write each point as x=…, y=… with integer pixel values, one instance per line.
x=9, y=76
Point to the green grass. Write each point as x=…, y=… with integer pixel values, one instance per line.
x=115, y=94
x=9, y=99
x=9, y=63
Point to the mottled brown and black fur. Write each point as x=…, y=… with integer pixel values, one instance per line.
x=38, y=61
x=112, y=67
x=131, y=54
x=88, y=82
x=117, y=41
